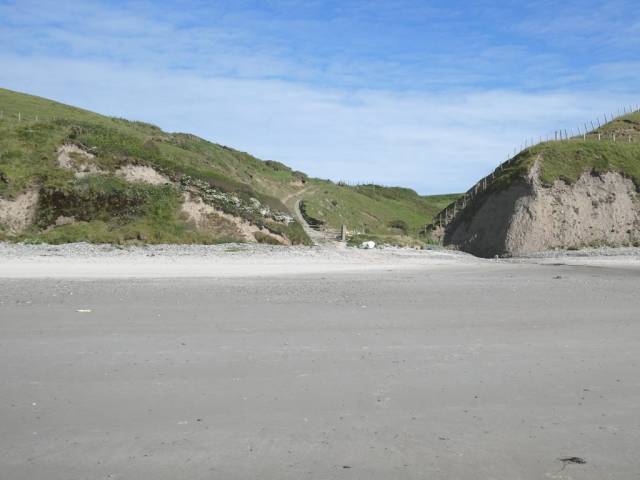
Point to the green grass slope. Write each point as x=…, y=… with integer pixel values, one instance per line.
x=109, y=209
x=372, y=209
x=567, y=160
x=612, y=147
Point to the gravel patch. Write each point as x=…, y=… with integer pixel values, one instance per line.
x=587, y=252
x=89, y=260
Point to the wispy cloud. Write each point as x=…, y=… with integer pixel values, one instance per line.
x=427, y=97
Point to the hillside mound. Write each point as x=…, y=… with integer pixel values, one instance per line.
x=68, y=175
x=569, y=194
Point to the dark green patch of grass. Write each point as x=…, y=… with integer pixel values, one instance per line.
x=110, y=210
x=109, y=199
x=138, y=232
x=392, y=193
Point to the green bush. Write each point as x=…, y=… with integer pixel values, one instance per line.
x=399, y=225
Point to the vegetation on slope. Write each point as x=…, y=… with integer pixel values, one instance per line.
x=109, y=209
x=372, y=209
x=567, y=160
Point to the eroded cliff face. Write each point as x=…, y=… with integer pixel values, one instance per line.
x=529, y=217
x=18, y=214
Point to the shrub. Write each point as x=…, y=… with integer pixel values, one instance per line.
x=399, y=225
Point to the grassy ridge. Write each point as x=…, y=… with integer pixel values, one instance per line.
x=373, y=209
x=118, y=140
x=597, y=153
x=106, y=208
x=567, y=160
x=28, y=158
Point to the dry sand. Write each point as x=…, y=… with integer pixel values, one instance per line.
x=291, y=364
x=229, y=260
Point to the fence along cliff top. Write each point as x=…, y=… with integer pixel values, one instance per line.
x=589, y=131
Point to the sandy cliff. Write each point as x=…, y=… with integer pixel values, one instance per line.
x=528, y=216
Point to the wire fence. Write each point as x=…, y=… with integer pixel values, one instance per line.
x=24, y=118
x=589, y=131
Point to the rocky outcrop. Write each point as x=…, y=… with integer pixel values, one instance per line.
x=596, y=210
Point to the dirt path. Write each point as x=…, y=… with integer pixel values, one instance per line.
x=318, y=237
x=287, y=198
x=292, y=201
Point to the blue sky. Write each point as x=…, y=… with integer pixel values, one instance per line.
x=430, y=95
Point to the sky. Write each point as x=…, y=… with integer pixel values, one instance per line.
x=426, y=94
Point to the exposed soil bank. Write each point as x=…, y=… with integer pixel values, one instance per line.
x=16, y=215
x=527, y=217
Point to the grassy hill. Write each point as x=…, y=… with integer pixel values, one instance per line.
x=384, y=214
x=613, y=147
x=100, y=205
x=567, y=160
x=554, y=195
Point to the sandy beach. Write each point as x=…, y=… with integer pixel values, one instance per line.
x=230, y=260
x=233, y=362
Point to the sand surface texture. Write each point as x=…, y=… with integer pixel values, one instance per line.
x=431, y=365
